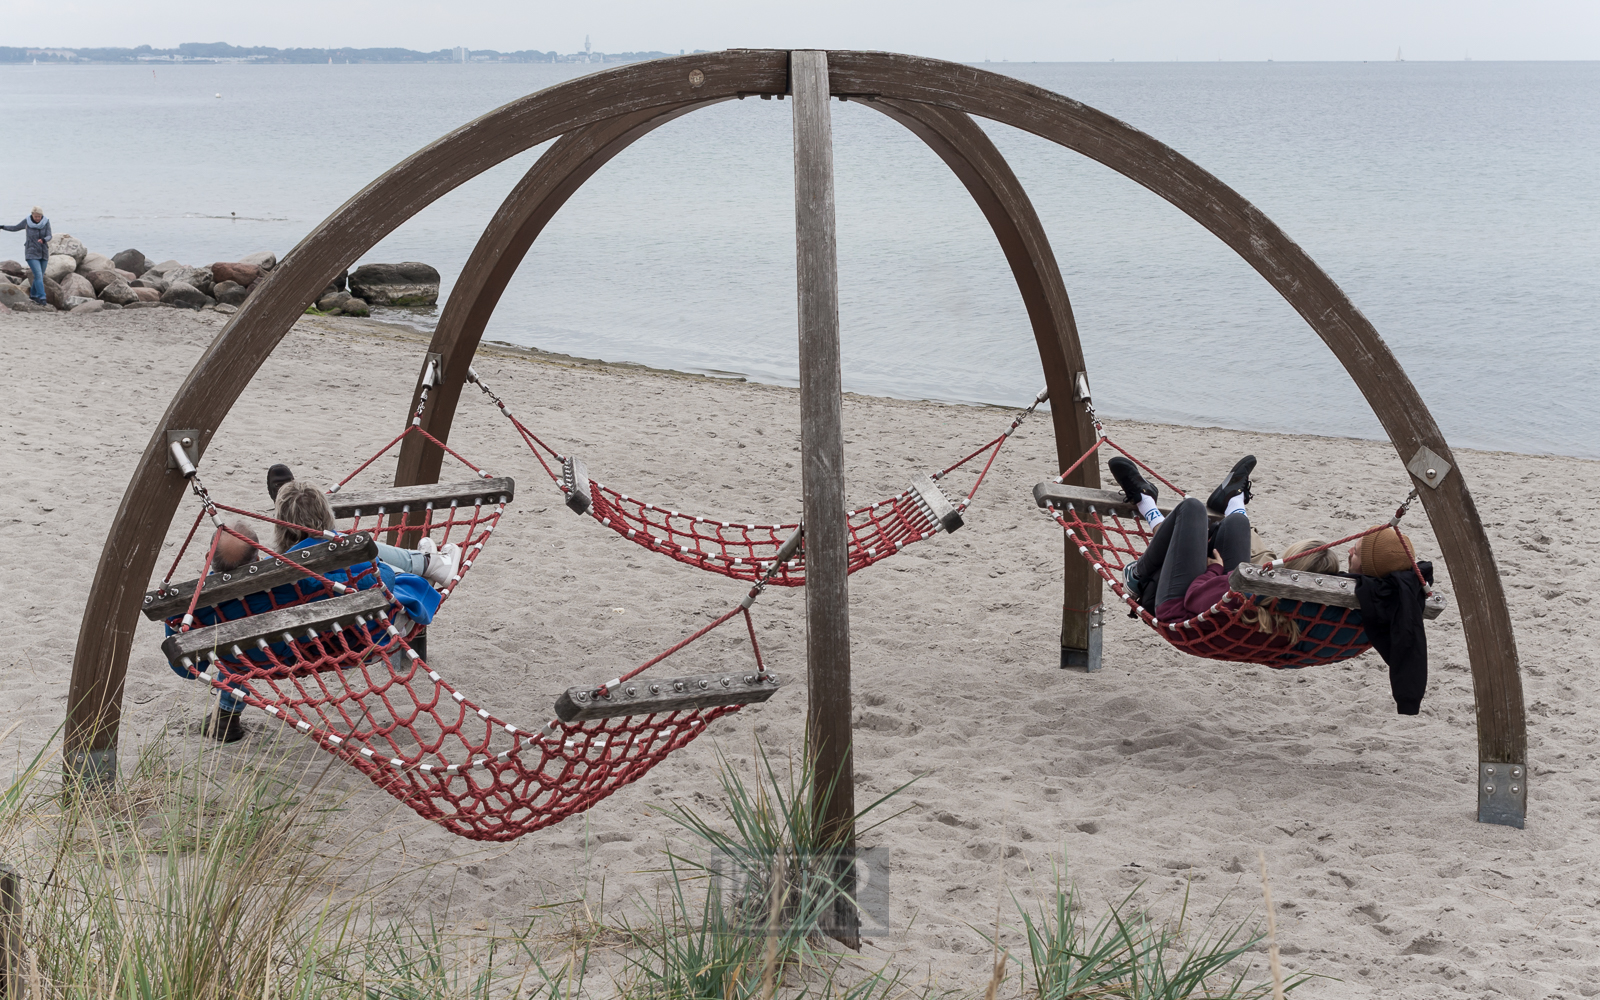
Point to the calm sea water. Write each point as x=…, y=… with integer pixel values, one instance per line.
x=1457, y=204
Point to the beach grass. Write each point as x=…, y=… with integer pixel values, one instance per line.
x=212, y=875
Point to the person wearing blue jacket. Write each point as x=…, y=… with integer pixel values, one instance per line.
x=36, y=248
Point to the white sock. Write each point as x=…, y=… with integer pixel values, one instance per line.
x=1149, y=511
x=1235, y=505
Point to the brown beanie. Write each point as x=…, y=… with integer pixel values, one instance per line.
x=1384, y=552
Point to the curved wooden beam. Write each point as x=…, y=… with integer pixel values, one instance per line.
x=1491, y=644
x=974, y=159
x=99, y=667
x=530, y=206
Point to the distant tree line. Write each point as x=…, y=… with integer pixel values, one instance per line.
x=222, y=51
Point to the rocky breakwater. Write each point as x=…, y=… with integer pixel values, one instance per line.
x=80, y=281
x=408, y=283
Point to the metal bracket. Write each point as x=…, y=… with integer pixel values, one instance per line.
x=432, y=370
x=1502, y=793
x=91, y=770
x=1080, y=387
x=1088, y=659
x=575, y=477
x=188, y=442
x=1428, y=467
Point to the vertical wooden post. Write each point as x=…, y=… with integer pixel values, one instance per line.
x=10, y=934
x=822, y=476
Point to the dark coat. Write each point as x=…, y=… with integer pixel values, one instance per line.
x=1391, y=611
x=36, y=242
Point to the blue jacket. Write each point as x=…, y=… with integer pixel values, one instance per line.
x=414, y=594
x=36, y=244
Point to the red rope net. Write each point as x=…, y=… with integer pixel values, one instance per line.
x=1111, y=542
x=747, y=550
x=365, y=695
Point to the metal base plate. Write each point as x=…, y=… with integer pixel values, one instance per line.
x=92, y=769
x=1502, y=793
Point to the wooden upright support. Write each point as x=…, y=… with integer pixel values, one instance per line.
x=822, y=476
x=10, y=934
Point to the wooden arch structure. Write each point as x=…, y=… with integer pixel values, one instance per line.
x=596, y=117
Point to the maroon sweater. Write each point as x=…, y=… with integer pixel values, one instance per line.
x=1211, y=587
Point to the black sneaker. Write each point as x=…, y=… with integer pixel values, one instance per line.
x=1127, y=476
x=224, y=727
x=1238, y=482
x=276, y=477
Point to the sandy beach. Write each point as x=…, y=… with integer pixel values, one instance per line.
x=1161, y=770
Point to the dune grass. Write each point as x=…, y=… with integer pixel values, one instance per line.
x=216, y=875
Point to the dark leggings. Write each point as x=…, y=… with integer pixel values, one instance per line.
x=1177, y=552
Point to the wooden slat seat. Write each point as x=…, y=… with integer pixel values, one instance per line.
x=651, y=695
x=273, y=626
x=403, y=499
x=1053, y=494
x=255, y=577
x=1317, y=588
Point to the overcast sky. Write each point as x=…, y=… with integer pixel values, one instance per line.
x=972, y=30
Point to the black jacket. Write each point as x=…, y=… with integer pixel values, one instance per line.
x=1391, y=612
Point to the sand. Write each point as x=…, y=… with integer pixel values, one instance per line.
x=1161, y=770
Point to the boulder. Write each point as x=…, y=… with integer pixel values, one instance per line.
x=118, y=292
x=77, y=284
x=131, y=260
x=100, y=279
x=185, y=296
x=59, y=266
x=230, y=292
x=52, y=292
x=146, y=294
x=86, y=306
x=405, y=284
x=13, y=295
x=150, y=280
x=126, y=275
x=338, y=284
x=69, y=245
x=72, y=302
x=225, y=309
x=162, y=268
x=332, y=301
x=244, y=274
x=262, y=259
x=13, y=268
x=144, y=305
x=355, y=307
x=94, y=262
x=199, y=277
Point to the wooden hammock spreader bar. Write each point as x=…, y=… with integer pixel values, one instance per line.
x=643, y=697
x=1052, y=493
x=272, y=626
x=1316, y=588
x=252, y=578
x=401, y=499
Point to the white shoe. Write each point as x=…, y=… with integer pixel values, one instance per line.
x=442, y=563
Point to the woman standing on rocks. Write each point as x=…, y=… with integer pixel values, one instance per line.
x=36, y=245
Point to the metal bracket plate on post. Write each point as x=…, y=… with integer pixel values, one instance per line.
x=1088, y=659
x=1428, y=467
x=1502, y=793
x=93, y=769
x=1080, y=387
x=189, y=441
x=432, y=370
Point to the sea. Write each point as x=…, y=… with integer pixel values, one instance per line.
x=1458, y=205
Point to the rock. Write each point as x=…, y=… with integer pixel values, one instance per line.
x=9, y=279
x=150, y=295
x=338, y=284
x=14, y=295
x=131, y=260
x=86, y=306
x=52, y=292
x=144, y=305
x=69, y=246
x=185, y=296
x=150, y=280
x=225, y=308
x=230, y=293
x=199, y=277
x=71, y=302
x=405, y=284
x=262, y=259
x=77, y=285
x=13, y=268
x=162, y=268
x=244, y=274
x=59, y=266
x=100, y=279
x=94, y=262
x=126, y=275
x=118, y=292
x=355, y=307
x=333, y=300
x=111, y=305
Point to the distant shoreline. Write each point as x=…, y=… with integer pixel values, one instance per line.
x=216, y=53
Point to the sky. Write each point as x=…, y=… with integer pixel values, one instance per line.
x=1015, y=30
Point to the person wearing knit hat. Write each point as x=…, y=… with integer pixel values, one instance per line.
x=1381, y=553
